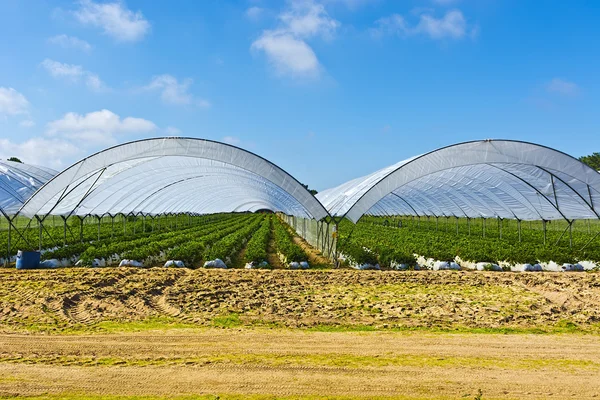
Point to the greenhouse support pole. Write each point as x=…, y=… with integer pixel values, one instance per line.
x=81, y=229
x=335, y=251
x=124, y=225
x=571, y=233
x=8, y=242
x=456, y=226
x=589, y=230
x=519, y=225
x=144, y=223
x=112, y=226
x=134, y=223
x=483, y=226
x=500, y=227
x=544, y=226
x=40, y=229
x=469, y=225
x=563, y=233
x=64, y=230
x=99, y=220
x=436, y=223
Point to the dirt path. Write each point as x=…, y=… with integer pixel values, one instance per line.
x=314, y=256
x=272, y=257
x=294, y=363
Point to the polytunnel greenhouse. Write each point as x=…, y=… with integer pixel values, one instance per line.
x=18, y=182
x=183, y=178
x=481, y=179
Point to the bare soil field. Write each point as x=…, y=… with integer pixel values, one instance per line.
x=68, y=300
x=129, y=333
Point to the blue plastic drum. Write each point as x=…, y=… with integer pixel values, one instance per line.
x=28, y=259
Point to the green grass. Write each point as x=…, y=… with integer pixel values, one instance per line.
x=227, y=321
x=331, y=360
x=153, y=323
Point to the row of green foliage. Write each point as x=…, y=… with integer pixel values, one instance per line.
x=106, y=247
x=233, y=242
x=391, y=243
x=53, y=230
x=256, y=250
x=194, y=243
x=284, y=242
x=557, y=232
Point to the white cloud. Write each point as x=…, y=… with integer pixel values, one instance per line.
x=54, y=153
x=12, y=102
x=99, y=127
x=562, y=87
x=254, y=13
x=70, y=42
x=73, y=73
x=306, y=19
x=232, y=140
x=288, y=55
x=452, y=25
x=74, y=136
x=59, y=70
x=172, y=131
x=27, y=123
x=93, y=82
x=114, y=19
x=286, y=46
x=175, y=92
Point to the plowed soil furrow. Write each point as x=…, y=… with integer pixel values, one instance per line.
x=376, y=299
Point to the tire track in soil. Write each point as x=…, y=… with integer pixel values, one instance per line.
x=158, y=299
x=73, y=307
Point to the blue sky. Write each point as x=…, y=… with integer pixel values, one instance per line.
x=327, y=89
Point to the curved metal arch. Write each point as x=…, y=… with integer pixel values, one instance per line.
x=206, y=177
x=48, y=197
x=486, y=152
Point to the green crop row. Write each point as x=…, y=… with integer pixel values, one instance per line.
x=203, y=237
x=233, y=242
x=390, y=243
x=256, y=250
x=106, y=247
x=284, y=243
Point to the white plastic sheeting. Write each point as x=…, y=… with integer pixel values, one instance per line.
x=491, y=178
x=173, y=175
x=18, y=182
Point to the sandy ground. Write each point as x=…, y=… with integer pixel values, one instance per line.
x=291, y=362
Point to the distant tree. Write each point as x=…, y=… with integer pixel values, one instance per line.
x=312, y=191
x=15, y=159
x=592, y=160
